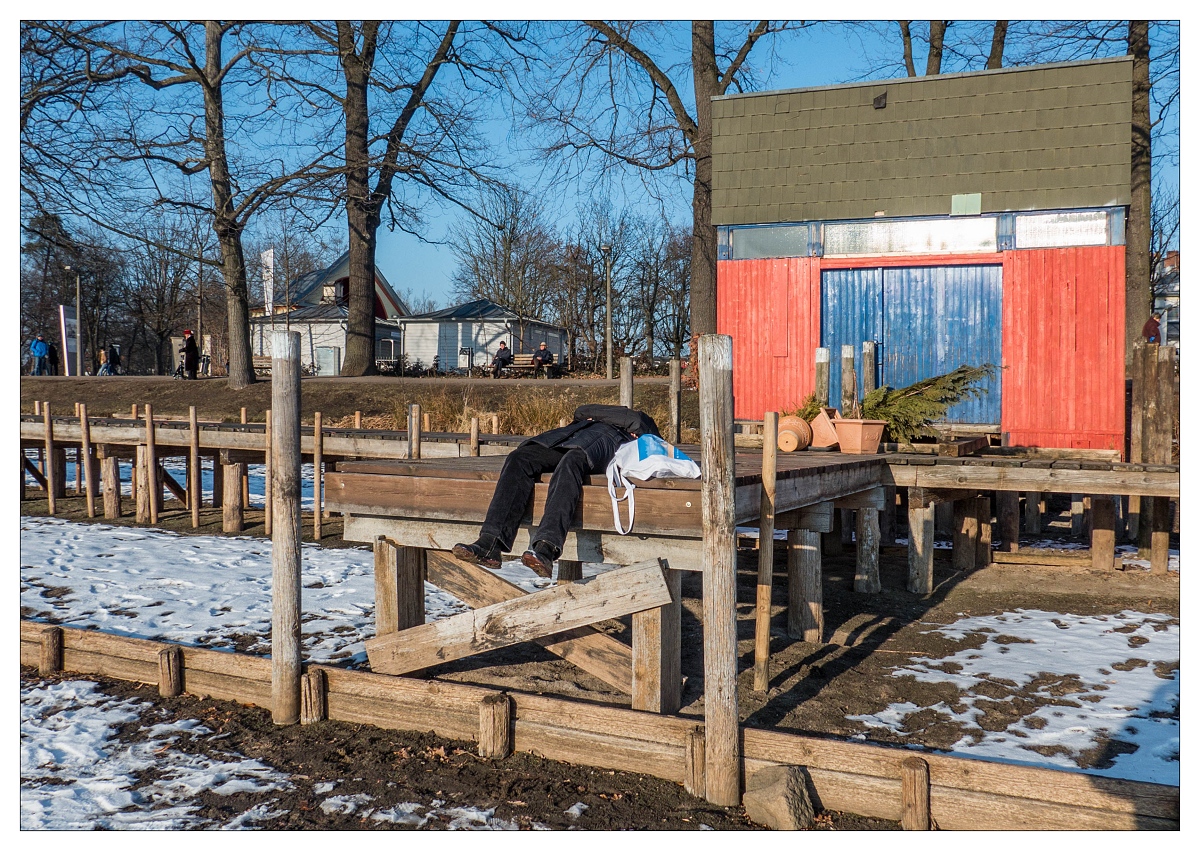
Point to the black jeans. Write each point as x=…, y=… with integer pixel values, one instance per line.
x=521, y=471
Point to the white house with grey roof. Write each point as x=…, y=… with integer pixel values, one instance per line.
x=469, y=334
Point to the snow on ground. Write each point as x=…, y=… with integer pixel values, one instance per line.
x=1127, y=689
x=207, y=589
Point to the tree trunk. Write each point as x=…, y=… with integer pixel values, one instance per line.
x=906, y=38
x=1137, y=229
x=704, y=234
x=996, y=57
x=225, y=224
x=362, y=210
x=937, y=36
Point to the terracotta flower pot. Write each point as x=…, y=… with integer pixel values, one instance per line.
x=794, y=434
x=824, y=436
x=859, y=437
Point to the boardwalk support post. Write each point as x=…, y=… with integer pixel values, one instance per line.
x=285, y=537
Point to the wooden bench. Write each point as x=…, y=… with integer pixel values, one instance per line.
x=262, y=364
x=525, y=363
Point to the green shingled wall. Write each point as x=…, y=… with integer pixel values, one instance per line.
x=1035, y=138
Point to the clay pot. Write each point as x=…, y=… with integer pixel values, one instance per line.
x=794, y=434
x=824, y=434
x=859, y=437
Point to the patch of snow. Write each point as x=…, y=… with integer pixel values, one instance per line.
x=344, y=804
x=576, y=810
x=1112, y=676
x=323, y=788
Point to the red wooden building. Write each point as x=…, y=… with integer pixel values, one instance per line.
x=964, y=218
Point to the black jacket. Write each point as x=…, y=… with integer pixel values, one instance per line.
x=503, y=357
x=543, y=356
x=191, y=354
x=598, y=430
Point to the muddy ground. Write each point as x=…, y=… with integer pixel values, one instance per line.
x=813, y=689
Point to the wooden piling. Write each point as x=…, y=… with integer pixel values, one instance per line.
x=495, y=423
x=983, y=544
x=52, y=483
x=86, y=460
x=1160, y=534
x=474, y=445
x=233, y=517
x=693, y=762
x=1008, y=519
x=267, y=512
x=285, y=538
x=966, y=535
x=1104, y=537
x=627, y=382
x=868, y=367
x=1076, y=514
x=495, y=726
x=766, y=553
x=152, y=466
x=719, y=564
x=414, y=431
x=806, y=618
x=218, y=491
x=849, y=385
x=866, y=543
x=358, y=419
x=920, y=542
x=399, y=587
x=314, y=703
x=569, y=570
x=245, y=475
x=914, y=794
x=78, y=450
x=170, y=672
x=195, y=473
x=143, y=491
x=1035, y=506
x=318, y=474
x=425, y=423
x=51, y=659
x=674, y=401
x=887, y=517
x=821, y=369
x=657, y=656
x=110, y=479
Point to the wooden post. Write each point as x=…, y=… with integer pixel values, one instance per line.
x=495, y=726
x=627, y=382
x=285, y=538
x=1035, y=505
x=1076, y=514
x=52, y=483
x=218, y=494
x=887, y=517
x=358, y=419
x=693, y=762
x=766, y=554
x=474, y=437
x=495, y=423
x=195, y=472
x=267, y=513
x=983, y=544
x=399, y=587
x=78, y=463
x=245, y=468
x=1137, y=403
x=133, y=412
x=569, y=570
x=313, y=699
x=89, y=466
x=1104, y=532
x=657, y=662
x=806, y=618
x=943, y=519
x=414, y=431
x=722, y=757
x=866, y=575
x=1160, y=534
x=143, y=490
x=170, y=672
x=821, y=368
x=868, y=367
x=110, y=479
x=920, y=542
x=51, y=659
x=152, y=466
x=425, y=423
x=966, y=535
x=318, y=474
x=914, y=794
x=849, y=393
x=674, y=400
x=1008, y=519
x=233, y=518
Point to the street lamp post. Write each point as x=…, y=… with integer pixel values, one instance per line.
x=78, y=326
x=607, y=251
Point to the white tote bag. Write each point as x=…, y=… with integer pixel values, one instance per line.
x=648, y=457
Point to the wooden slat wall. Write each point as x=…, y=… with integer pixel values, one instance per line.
x=772, y=309
x=1064, y=347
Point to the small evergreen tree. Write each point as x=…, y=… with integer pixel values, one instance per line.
x=908, y=411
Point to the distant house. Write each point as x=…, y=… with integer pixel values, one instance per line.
x=1165, y=281
x=469, y=335
x=315, y=304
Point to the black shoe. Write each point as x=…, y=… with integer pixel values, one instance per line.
x=540, y=559
x=477, y=553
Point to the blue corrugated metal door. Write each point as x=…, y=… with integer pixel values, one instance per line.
x=851, y=312
x=936, y=319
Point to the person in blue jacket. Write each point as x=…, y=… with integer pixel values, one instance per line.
x=572, y=452
x=39, y=351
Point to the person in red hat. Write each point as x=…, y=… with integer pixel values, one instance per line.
x=191, y=355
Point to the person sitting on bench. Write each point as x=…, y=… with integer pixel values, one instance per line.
x=572, y=452
x=502, y=359
x=543, y=358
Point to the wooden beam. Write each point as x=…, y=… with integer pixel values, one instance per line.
x=963, y=446
x=657, y=677
x=33, y=471
x=1054, y=480
x=601, y=655
x=766, y=555
x=1048, y=558
x=874, y=499
x=914, y=781
x=399, y=587
x=557, y=609
x=814, y=518
x=177, y=490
